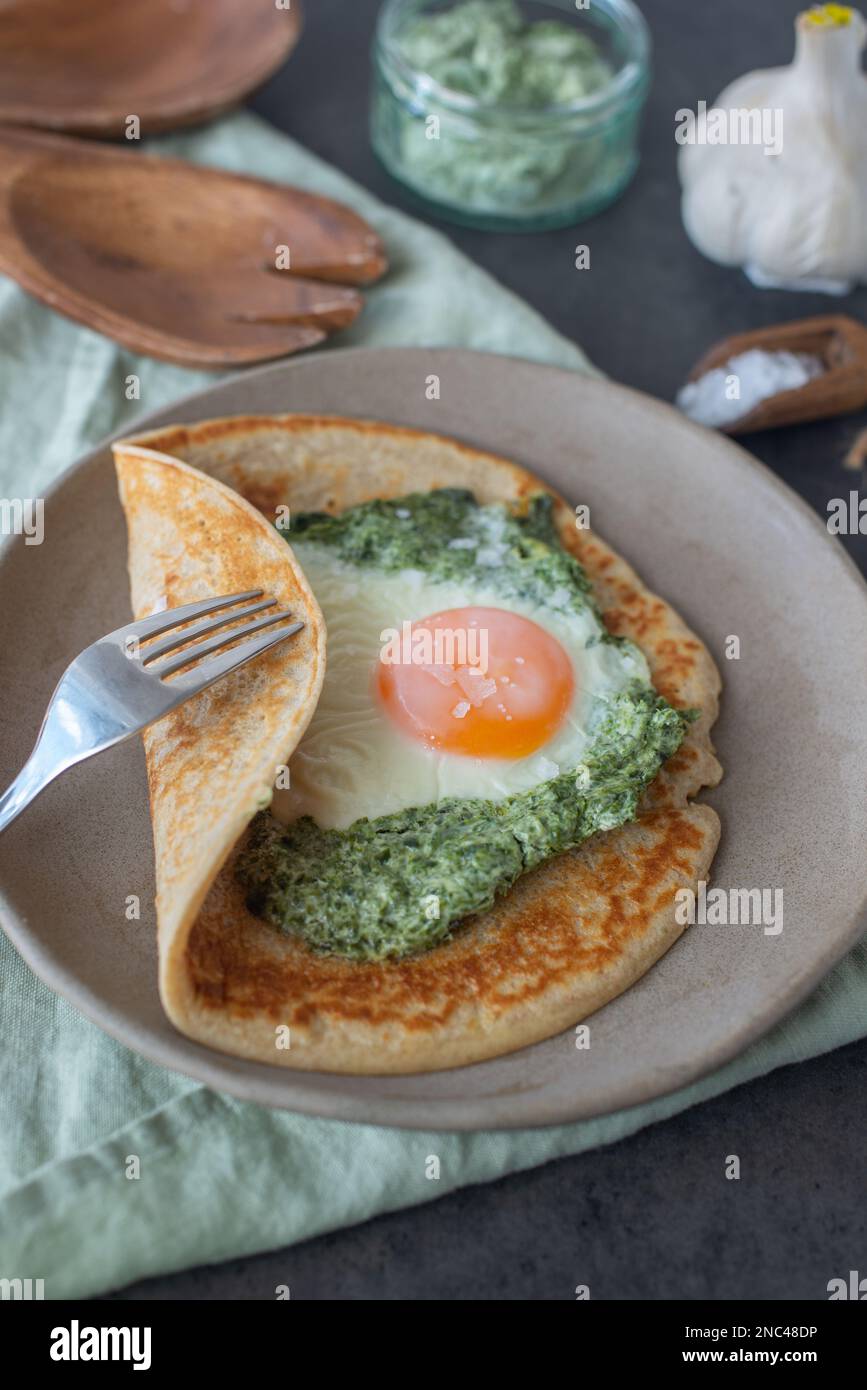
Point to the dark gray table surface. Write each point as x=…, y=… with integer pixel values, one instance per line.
x=653, y=1216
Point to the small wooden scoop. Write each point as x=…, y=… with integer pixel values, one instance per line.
x=85, y=66
x=841, y=344
x=174, y=260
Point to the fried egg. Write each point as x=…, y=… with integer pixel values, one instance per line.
x=509, y=702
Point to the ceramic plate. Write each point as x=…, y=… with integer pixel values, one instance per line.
x=704, y=524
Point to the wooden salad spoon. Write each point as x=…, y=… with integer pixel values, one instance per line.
x=85, y=66
x=837, y=340
x=175, y=260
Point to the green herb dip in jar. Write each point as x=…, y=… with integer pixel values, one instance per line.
x=510, y=117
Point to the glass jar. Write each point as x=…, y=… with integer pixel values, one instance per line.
x=508, y=167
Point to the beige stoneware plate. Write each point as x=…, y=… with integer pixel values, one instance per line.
x=705, y=526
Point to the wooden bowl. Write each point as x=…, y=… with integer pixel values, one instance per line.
x=85, y=66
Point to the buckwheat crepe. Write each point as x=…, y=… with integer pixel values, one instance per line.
x=569, y=936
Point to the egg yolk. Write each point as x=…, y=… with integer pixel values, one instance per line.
x=481, y=682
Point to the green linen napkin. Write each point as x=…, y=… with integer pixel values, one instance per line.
x=220, y=1178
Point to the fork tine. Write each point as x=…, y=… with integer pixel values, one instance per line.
x=158, y=649
x=209, y=671
x=172, y=617
x=213, y=644
x=103, y=698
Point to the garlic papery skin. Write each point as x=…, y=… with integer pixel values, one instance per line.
x=796, y=218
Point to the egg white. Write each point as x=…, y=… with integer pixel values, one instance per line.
x=354, y=761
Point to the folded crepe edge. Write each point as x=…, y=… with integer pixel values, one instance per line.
x=155, y=491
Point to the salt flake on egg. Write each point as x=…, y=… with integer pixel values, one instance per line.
x=475, y=685
x=444, y=674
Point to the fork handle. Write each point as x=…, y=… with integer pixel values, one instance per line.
x=31, y=780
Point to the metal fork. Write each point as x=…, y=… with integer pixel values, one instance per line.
x=118, y=686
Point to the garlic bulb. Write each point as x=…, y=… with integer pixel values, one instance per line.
x=785, y=195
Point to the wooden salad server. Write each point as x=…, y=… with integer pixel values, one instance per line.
x=175, y=260
x=841, y=344
x=85, y=66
